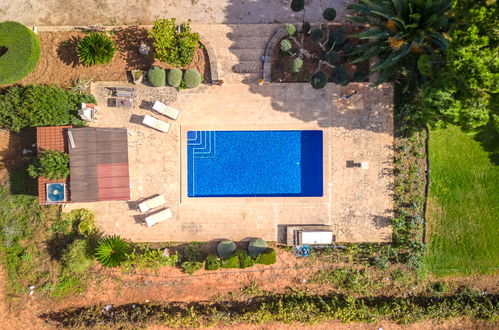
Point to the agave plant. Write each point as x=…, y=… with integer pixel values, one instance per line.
x=96, y=48
x=111, y=251
x=400, y=32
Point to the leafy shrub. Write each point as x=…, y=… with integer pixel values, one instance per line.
x=174, y=77
x=230, y=262
x=76, y=258
x=22, y=51
x=40, y=105
x=319, y=80
x=189, y=267
x=317, y=34
x=50, y=164
x=192, y=78
x=340, y=76
x=306, y=27
x=439, y=288
x=193, y=252
x=226, y=248
x=290, y=29
x=297, y=5
x=156, y=76
x=146, y=258
x=171, y=45
x=353, y=280
x=257, y=246
x=212, y=262
x=267, y=258
x=96, y=48
x=329, y=14
x=111, y=251
x=332, y=57
x=68, y=285
x=285, y=45
x=244, y=259
x=297, y=65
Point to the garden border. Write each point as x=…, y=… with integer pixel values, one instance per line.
x=212, y=57
x=269, y=52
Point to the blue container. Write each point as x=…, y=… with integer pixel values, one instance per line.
x=56, y=192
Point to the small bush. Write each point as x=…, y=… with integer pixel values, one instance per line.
x=193, y=252
x=297, y=5
x=76, y=258
x=189, y=267
x=297, y=65
x=244, y=259
x=257, y=246
x=111, y=251
x=174, y=77
x=340, y=76
x=171, y=45
x=156, y=76
x=212, y=262
x=317, y=34
x=286, y=45
x=290, y=29
x=50, y=164
x=230, y=262
x=192, y=78
x=96, y=48
x=267, y=258
x=329, y=14
x=319, y=80
x=359, y=76
x=306, y=27
x=226, y=248
x=332, y=57
x=146, y=258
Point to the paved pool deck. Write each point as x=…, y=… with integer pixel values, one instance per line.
x=357, y=203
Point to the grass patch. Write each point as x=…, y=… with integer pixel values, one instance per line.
x=463, y=208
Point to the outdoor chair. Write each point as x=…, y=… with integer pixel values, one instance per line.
x=151, y=203
x=158, y=217
x=163, y=109
x=156, y=123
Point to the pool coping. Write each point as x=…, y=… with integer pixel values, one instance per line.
x=185, y=199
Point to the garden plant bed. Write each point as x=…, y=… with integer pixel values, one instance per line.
x=282, y=62
x=59, y=61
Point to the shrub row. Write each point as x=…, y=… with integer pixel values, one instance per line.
x=157, y=76
x=285, y=308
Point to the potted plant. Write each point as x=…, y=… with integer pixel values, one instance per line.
x=137, y=76
x=261, y=81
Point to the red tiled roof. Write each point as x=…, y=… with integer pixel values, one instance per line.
x=113, y=181
x=50, y=138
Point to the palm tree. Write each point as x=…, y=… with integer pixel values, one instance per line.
x=400, y=32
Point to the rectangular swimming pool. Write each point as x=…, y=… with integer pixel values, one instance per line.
x=254, y=163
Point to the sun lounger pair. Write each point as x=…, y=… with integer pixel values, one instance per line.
x=158, y=217
x=165, y=110
x=153, y=203
x=156, y=123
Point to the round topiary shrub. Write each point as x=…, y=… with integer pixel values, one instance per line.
x=340, y=76
x=156, y=76
x=306, y=27
x=290, y=29
x=174, y=77
x=297, y=5
x=226, y=248
x=297, y=65
x=359, y=76
x=96, y=48
x=329, y=14
x=257, y=246
x=319, y=80
x=19, y=51
x=285, y=45
x=192, y=78
x=267, y=258
x=317, y=34
x=332, y=57
x=211, y=262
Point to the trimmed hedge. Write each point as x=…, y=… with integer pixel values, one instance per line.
x=267, y=258
x=230, y=262
x=156, y=76
x=174, y=77
x=22, y=51
x=192, y=78
x=211, y=262
x=244, y=259
x=226, y=248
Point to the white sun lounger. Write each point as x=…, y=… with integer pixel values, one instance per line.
x=156, y=123
x=151, y=203
x=158, y=217
x=163, y=109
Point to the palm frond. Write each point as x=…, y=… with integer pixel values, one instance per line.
x=392, y=58
x=368, y=54
x=440, y=40
x=372, y=34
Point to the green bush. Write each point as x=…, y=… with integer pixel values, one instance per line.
x=40, y=105
x=111, y=251
x=192, y=78
x=244, y=259
x=290, y=29
x=76, y=258
x=193, y=252
x=174, y=77
x=340, y=76
x=146, y=258
x=226, y=248
x=286, y=45
x=156, y=76
x=21, y=49
x=317, y=34
x=50, y=164
x=267, y=258
x=329, y=14
x=96, y=48
x=257, y=246
x=319, y=80
x=189, y=267
x=297, y=65
x=171, y=45
x=212, y=262
x=297, y=5
x=230, y=262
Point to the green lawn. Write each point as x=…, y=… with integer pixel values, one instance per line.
x=463, y=206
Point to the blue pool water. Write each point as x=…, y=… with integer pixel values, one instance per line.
x=56, y=192
x=254, y=163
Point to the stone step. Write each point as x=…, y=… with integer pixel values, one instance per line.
x=248, y=42
x=260, y=30
x=243, y=67
x=242, y=54
x=248, y=78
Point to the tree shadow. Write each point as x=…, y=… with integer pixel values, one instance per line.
x=66, y=50
x=3, y=50
x=488, y=137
